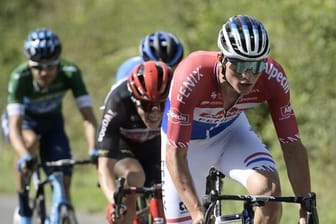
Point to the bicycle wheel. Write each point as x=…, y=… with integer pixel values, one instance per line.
x=67, y=215
x=142, y=210
x=16, y=216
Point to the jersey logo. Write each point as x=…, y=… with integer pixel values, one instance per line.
x=286, y=112
x=177, y=117
x=187, y=86
x=106, y=120
x=274, y=73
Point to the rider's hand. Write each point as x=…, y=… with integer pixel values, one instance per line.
x=93, y=154
x=198, y=217
x=23, y=163
x=111, y=214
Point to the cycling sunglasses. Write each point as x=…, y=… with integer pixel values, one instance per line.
x=255, y=67
x=43, y=66
x=149, y=106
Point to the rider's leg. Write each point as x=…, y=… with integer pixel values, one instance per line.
x=265, y=183
x=134, y=175
x=31, y=142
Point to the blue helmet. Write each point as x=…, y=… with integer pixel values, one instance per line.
x=42, y=44
x=161, y=46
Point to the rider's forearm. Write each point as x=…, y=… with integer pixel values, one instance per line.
x=178, y=168
x=90, y=133
x=106, y=178
x=16, y=138
x=296, y=158
x=90, y=126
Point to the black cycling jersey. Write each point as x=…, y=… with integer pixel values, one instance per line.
x=122, y=133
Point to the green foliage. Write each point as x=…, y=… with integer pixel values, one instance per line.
x=100, y=35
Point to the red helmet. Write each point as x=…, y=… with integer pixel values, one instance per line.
x=150, y=81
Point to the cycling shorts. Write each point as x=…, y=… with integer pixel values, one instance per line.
x=236, y=151
x=147, y=153
x=54, y=144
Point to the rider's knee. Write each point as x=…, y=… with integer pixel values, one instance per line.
x=264, y=183
x=135, y=178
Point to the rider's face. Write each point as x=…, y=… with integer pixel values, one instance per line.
x=243, y=82
x=151, y=114
x=44, y=72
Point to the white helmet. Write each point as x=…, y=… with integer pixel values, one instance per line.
x=244, y=38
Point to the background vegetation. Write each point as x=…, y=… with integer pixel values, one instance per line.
x=99, y=35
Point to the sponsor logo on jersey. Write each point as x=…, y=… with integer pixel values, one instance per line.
x=211, y=115
x=274, y=73
x=140, y=134
x=286, y=112
x=177, y=117
x=187, y=86
x=290, y=139
x=106, y=120
x=178, y=144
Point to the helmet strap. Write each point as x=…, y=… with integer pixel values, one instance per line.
x=222, y=72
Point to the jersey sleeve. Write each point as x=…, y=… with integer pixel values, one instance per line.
x=109, y=129
x=16, y=87
x=74, y=79
x=184, y=95
x=279, y=104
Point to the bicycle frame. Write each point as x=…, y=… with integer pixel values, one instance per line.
x=212, y=202
x=61, y=208
x=155, y=207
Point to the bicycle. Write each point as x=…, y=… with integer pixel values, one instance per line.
x=151, y=208
x=213, y=210
x=61, y=211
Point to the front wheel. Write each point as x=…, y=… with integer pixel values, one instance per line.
x=67, y=215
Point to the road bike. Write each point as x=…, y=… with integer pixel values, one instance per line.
x=149, y=205
x=61, y=211
x=212, y=203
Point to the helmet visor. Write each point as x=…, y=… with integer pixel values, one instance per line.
x=255, y=67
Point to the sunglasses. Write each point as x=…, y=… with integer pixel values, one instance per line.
x=43, y=66
x=255, y=67
x=149, y=106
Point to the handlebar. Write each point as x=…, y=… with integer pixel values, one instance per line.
x=121, y=192
x=67, y=162
x=308, y=202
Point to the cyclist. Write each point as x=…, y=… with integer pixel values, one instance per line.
x=33, y=121
x=157, y=46
x=128, y=139
x=204, y=124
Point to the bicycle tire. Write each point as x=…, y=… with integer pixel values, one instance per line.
x=312, y=218
x=39, y=211
x=16, y=216
x=142, y=210
x=67, y=215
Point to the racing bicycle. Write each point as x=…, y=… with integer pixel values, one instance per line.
x=61, y=211
x=149, y=204
x=213, y=198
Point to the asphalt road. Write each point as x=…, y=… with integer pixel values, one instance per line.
x=8, y=203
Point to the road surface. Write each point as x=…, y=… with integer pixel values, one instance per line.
x=8, y=203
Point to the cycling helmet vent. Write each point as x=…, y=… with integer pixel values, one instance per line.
x=42, y=44
x=245, y=38
x=150, y=81
x=161, y=46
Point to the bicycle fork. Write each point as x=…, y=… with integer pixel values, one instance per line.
x=58, y=197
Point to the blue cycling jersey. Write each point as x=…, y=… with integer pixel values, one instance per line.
x=126, y=67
